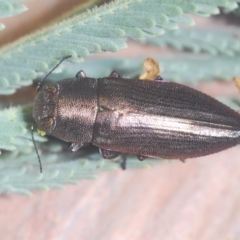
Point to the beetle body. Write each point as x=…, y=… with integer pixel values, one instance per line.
x=146, y=118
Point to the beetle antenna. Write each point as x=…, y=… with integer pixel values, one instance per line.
x=35, y=146
x=41, y=81
x=38, y=88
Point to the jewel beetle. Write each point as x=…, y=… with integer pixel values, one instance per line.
x=156, y=119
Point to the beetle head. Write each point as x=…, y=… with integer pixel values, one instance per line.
x=45, y=108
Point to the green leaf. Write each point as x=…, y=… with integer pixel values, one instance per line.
x=2, y=26
x=212, y=41
x=184, y=69
x=15, y=124
x=237, y=11
x=102, y=29
x=59, y=168
x=10, y=8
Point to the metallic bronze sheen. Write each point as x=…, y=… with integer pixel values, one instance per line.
x=75, y=109
x=166, y=120
x=146, y=118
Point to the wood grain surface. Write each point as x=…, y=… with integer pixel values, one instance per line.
x=172, y=201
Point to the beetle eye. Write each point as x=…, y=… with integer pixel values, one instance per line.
x=51, y=92
x=47, y=124
x=51, y=88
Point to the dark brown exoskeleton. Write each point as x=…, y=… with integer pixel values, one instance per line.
x=148, y=118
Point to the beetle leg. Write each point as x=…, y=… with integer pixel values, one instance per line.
x=159, y=79
x=124, y=161
x=114, y=74
x=81, y=74
x=106, y=154
x=141, y=157
x=182, y=160
x=73, y=147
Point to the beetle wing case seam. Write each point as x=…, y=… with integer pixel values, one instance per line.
x=166, y=120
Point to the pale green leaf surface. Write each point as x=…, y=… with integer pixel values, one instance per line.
x=102, y=29
x=237, y=11
x=10, y=8
x=15, y=124
x=212, y=41
x=231, y=6
x=7, y=9
x=184, y=69
x=2, y=26
x=20, y=172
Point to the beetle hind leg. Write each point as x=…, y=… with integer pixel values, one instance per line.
x=106, y=154
x=114, y=74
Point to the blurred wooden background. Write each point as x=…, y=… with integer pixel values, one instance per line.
x=198, y=200
x=173, y=201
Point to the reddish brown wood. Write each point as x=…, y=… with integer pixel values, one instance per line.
x=195, y=200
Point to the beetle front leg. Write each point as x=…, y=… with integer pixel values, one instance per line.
x=81, y=74
x=73, y=147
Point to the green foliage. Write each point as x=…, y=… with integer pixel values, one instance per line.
x=211, y=41
x=2, y=26
x=10, y=8
x=186, y=69
x=15, y=123
x=21, y=171
x=237, y=11
x=211, y=54
x=102, y=29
